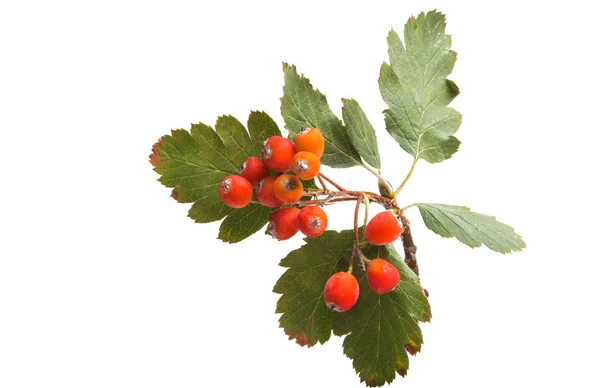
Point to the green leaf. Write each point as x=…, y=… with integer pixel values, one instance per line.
x=382, y=328
x=379, y=328
x=417, y=92
x=472, y=229
x=194, y=163
x=305, y=316
x=244, y=223
x=361, y=132
x=302, y=106
x=261, y=126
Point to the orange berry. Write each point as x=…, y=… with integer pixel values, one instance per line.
x=312, y=221
x=254, y=170
x=283, y=223
x=382, y=276
x=383, y=229
x=311, y=140
x=306, y=165
x=235, y=191
x=341, y=292
x=278, y=152
x=265, y=192
x=288, y=188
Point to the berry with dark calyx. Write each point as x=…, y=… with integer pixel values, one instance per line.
x=306, y=165
x=235, y=191
x=382, y=276
x=310, y=140
x=254, y=170
x=312, y=221
x=278, y=152
x=288, y=188
x=383, y=229
x=341, y=292
x=283, y=223
x=265, y=192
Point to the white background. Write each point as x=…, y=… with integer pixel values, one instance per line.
x=104, y=281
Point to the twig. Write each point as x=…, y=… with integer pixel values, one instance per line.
x=356, y=209
x=356, y=249
x=410, y=250
x=408, y=207
x=412, y=168
x=323, y=185
x=332, y=182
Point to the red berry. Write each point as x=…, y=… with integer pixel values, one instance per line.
x=235, y=191
x=306, y=165
x=312, y=221
x=341, y=292
x=254, y=170
x=265, y=192
x=288, y=188
x=311, y=140
x=382, y=276
x=383, y=229
x=278, y=152
x=283, y=223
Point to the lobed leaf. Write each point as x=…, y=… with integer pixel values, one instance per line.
x=243, y=223
x=472, y=229
x=417, y=92
x=383, y=328
x=361, y=132
x=195, y=162
x=380, y=329
x=303, y=106
x=305, y=316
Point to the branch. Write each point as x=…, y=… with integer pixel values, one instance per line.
x=332, y=182
x=410, y=250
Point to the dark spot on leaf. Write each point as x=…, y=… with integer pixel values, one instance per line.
x=453, y=87
x=154, y=156
x=412, y=349
x=300, y=337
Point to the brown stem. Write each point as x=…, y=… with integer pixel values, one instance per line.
x=356, y=242
x=410, y=250
x=356, y=209
x=332, y=182
x=323, y=185
x=342, y=196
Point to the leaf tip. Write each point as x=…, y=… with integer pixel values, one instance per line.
x=175, y=195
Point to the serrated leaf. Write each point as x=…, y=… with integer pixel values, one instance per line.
x=243, y=223
x=382, y=328
x=303, y=106
x=472, y=229
x=417, y=92
x=361, y=132
x=305, y=316
x=195, y=162
x=261, y=126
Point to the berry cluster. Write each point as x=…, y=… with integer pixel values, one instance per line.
x=341, y=290
x=295, y=162
x=276, y=179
